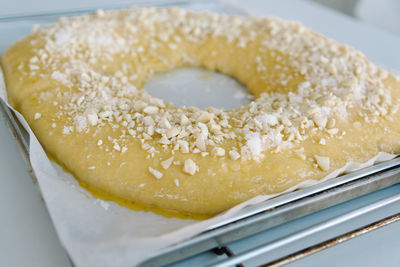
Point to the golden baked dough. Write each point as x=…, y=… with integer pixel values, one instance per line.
x=318, y=104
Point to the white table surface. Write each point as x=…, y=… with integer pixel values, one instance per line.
x=27, y=237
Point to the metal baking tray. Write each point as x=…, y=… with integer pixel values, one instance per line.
x=256, y=218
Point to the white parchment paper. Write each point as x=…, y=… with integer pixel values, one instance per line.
x=99, y=233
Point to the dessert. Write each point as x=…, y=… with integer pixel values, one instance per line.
x=318, y=105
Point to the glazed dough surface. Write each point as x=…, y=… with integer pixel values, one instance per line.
x=318, y=105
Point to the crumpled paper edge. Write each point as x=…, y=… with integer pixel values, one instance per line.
x=128, y=249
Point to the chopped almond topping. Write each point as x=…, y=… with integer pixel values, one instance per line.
x=93, y=119
x=37, y=116
x=323, y=162
x=150, y=110
x=190, y=167
x=218, y=152
x=234, y=155
x=155, y=173
x=172, y=132
x=205, y=117
x=167, y=163
x=184, y=120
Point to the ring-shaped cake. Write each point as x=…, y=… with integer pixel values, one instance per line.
x=318, y=105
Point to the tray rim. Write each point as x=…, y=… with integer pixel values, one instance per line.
x=78, y=11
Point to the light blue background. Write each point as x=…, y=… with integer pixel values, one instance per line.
x=27, y=237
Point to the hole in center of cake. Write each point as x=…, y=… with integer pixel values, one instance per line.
x=195, y=86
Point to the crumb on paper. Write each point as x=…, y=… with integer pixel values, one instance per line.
x=104, y=204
